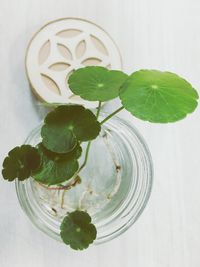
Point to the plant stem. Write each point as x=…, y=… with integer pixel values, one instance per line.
x=89, y=143
x=86, y=156
x=98, y=110
x=76, y=181
x=111, y=115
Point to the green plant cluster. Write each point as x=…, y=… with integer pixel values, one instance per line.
x=150, y=95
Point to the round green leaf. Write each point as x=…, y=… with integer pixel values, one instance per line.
x=66, y=125
x=20, y=163
x=57, y=168
x=77, y=230
x=157, y=96
x=96, y=83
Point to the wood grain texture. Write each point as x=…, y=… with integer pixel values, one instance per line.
x=151, y=34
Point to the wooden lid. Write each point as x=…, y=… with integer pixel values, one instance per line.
x=62, y=46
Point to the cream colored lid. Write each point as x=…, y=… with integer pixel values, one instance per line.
x=59, y=48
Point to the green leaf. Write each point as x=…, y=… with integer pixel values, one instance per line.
x=157, y=96
x=66, y=125
x=57, y=168
x=20, y=163
x=96, y=83
x=77, y=230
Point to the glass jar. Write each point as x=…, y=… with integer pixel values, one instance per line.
x=115, y=184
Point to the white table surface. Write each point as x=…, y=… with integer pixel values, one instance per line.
x=151, y=34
